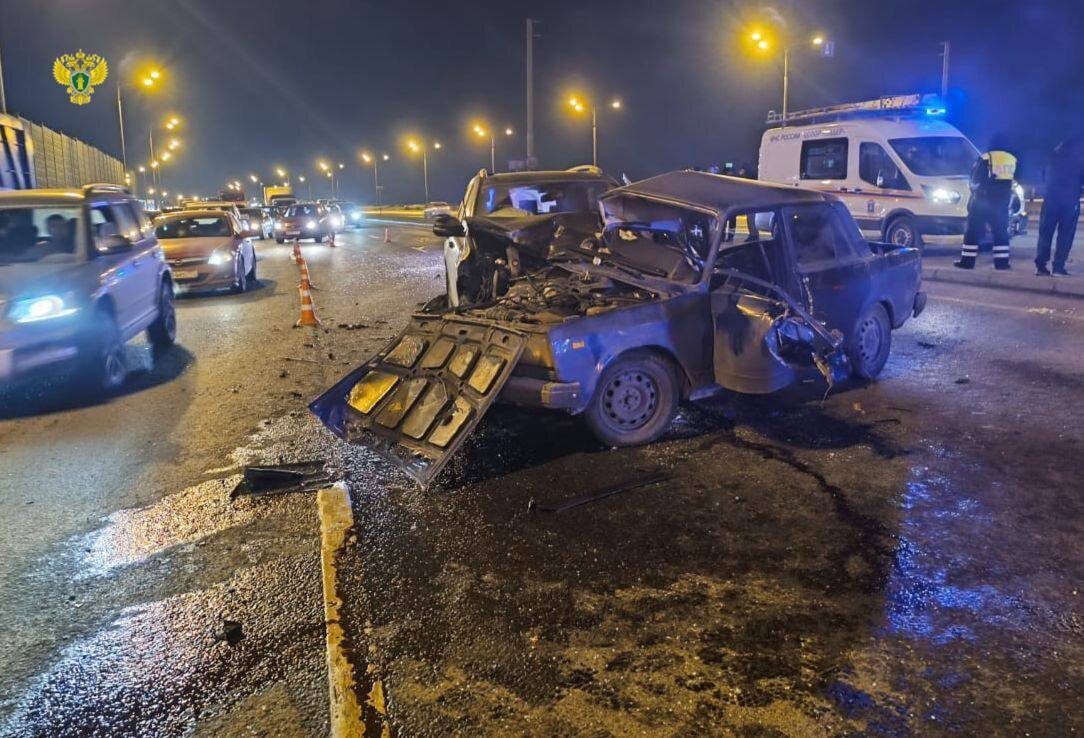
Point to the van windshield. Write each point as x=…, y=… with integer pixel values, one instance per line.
x=936, y=156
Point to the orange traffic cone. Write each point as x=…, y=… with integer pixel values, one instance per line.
x=305, y=279
x=297, y=251
x=308, y=312
x=387, y=236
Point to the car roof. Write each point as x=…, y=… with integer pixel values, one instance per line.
x=194, y=213
x=716, y=192
x=550, y=175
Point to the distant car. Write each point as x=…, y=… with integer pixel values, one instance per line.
x=225, y=206
x=438, y=207
x=304, y=220
x=81, y=273
x=353, y=216
x=207, y=249
x=336, y=217
x=258, y=221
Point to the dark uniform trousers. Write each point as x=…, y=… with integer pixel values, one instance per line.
x=1061, y=216
x=986, y=213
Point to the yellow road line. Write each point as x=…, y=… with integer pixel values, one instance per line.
x=336, y=518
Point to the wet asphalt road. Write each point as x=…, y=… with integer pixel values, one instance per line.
x=121, y=551
x=899, y=559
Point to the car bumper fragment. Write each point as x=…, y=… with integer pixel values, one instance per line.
x=532, y=392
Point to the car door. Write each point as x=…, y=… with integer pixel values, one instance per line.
x=833, y=273
x=882, y=188
x=117, y=269
x=751, y=264
x=144, y=261
x=456, y=247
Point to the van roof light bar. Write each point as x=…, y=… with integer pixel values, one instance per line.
x=891, y=105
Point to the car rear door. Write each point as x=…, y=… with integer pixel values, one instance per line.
x=119, y=272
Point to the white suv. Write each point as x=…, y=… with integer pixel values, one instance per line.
x=81, y=273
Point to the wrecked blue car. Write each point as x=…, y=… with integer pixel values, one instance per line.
x=688, y=284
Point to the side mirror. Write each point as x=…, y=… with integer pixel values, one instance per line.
x=448, y=226
x=115, y=244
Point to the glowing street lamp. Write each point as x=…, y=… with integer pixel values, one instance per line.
x=762, y=44
x=418, y=147
x=579, y=105
x=482, y=132
x=371, y=159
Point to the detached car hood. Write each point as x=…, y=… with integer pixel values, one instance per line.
x=416, y=401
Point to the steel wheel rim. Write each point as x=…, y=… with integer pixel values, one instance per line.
x=901, y=236
x=630, y=400
x=114, y=366
x=870, y=340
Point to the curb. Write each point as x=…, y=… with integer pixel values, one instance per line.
x=336, y=518
x=1018, y=282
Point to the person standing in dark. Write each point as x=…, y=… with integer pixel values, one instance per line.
x=1061, y=205
x=991, y=191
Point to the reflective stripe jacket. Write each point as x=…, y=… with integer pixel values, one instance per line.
x=992, y=177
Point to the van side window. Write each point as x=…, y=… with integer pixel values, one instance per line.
x=824, y=159
x=876, y=167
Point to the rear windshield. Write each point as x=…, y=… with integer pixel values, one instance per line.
x=300, y=210
x=936, y=156
x=36, y=233
x=540, y=198
x=203, y=227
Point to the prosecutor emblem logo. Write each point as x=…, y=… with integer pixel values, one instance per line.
x=80, y=73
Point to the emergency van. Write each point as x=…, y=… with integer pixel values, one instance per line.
x=900, y=169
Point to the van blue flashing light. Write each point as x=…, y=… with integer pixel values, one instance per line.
x=932, y=112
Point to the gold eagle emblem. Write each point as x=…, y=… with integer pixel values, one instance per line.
x=80, y=73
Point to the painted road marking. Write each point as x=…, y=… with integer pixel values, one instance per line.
x=1068, y=314
x=349, y=719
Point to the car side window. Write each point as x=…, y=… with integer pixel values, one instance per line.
x=824, y=158
x=102, y=225
x=817, y=237
x=126, y=221
x=876, y=167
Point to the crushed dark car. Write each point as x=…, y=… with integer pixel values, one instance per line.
x=691, y=284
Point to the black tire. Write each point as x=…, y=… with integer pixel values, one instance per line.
x=870, y=342
x=317, y=239
x=106, y=370
x=240, y=277
x=163, y=331
x=903, y=231
x=253, y=280
x=635, y=400
x=280, y=240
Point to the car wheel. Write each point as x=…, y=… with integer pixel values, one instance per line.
x=107, y=370
x=870, y=343
x=635, y=400
x=240, y=276
x=317, y=239
x=902, y=231
x=163, y=331
x=280, y=240
x=252, y=279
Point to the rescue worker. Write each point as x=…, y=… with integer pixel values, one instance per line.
x=1061, y=205
x=991, y=191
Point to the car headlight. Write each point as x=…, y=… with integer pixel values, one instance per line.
x=218, y=258
x=336, y=221
x=941, y=195
x=278, y=224
x=34, y=309
x=310, y=224
x=355, y=216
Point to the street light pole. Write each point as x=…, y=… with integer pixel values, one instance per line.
x=425, y=171
x=594, y=136
x=3, y=97
x=120, y=120
x=786, y=82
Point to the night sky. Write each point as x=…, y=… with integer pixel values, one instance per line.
x=269, y=83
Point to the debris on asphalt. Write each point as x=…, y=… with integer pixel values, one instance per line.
x=283, y=374
x=927, y=344
x=302, y=476
x=556, y=506
x=231, y=632
x=963, y=380
x=353, y=326
x=295, y=358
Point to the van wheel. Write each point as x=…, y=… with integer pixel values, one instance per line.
x=280, y=240
x=163, y=331
x=105, y=357
x=635, y=400
x=870, y=343
x=902, y=231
